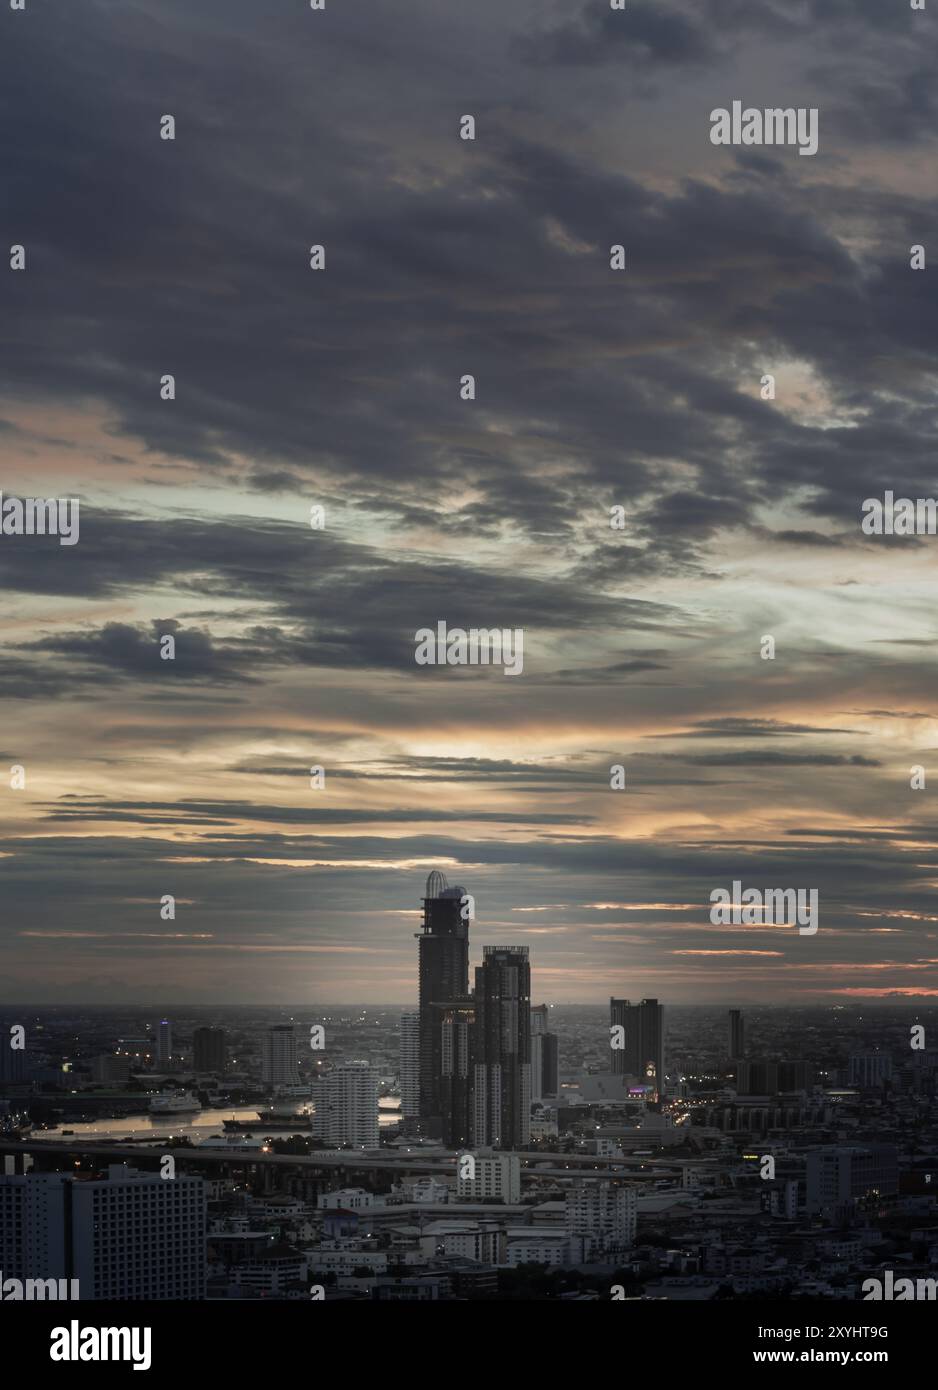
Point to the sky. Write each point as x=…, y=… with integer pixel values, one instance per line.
x=596, y=389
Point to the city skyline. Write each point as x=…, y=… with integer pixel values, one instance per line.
x=601, y=396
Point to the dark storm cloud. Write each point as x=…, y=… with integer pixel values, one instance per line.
x=770, y=758
x=228, y=812
x=594, y=389
x=118, y=649
x=335, y=603
x=205, y=241
x=654, y=32
x=735, y=726
x=635, y=666
x=665, y=33
x=849, y=876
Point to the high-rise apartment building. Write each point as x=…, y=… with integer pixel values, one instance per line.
x=409, y=1066
x=456, y=1022
x=502, y=1062
x=279, y=1064
x=545, y=1056
x=346, y=1100
x=642, y=1055
x=131, y=1235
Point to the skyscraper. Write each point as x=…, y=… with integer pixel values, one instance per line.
x=347, y=1105
x=457, y=1030
x=545, y=1079
x=164, y=1042
x=208, y=1049
x=502, y=1099
x=131, y=1235
x=410, y=1066
x=737, y=1037
x=278, y=1065
x=643, y=1053
x=550, y=1066
x=444, y=976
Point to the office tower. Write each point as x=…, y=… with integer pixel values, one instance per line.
x=494, y=1177
x=643, y=1053
x=839, y=1174
x=131, y=1235
x=550, y=1066
x=164, y=1042
x=737, y=1040
x=607, y=1215
x=538, y=1029
x=346, y=1100
x=410, y=1066
x=208, y=1049
x=502, y=1063
x=444, y=975
x=869, y=1070
x=278, y=1065
x=456, y=1021
x=13, y=1068
x=545, y=1056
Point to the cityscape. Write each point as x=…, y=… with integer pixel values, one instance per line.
x=468, y=494
x=477, y=1147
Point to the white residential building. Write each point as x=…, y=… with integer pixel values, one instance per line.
x=349, y=1199
x=410, y=1066
x=495, y=1177
x=346, y=1101
x=604, y=1213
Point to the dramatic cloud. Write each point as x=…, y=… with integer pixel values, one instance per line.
x=619, y=489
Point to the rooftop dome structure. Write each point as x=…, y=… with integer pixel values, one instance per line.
x=436, y=884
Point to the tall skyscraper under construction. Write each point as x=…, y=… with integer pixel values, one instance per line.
x=444, y=977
